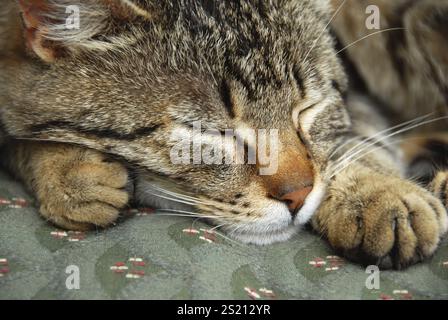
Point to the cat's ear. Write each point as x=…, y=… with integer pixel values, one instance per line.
x=56, y=28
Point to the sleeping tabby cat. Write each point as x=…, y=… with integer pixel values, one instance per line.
x=87, y=115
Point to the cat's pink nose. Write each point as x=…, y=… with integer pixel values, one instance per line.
x=296, y=199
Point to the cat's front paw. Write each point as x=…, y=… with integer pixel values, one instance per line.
x=80, y=190
x=375, y=219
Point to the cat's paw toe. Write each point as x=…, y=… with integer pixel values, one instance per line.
x=418, y=225
x=86, y=194
x=390, y=227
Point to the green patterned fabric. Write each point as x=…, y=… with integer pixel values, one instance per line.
x=150, y=256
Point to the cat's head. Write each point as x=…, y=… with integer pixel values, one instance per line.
x=143, y=79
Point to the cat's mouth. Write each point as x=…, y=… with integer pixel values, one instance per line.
x=274, y=224
x=277, y=224
x=270, y=222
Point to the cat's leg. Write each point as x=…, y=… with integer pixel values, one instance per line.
x=427, y=158
x=376, y=217
x=76, y=188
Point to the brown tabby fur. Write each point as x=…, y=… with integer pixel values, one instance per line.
x=109, y=95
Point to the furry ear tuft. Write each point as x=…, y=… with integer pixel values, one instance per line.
x=54, y=28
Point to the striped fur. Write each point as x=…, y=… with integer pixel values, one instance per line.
x=109, y=96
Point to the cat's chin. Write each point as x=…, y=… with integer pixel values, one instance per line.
x=265, y=238
x=274, y=225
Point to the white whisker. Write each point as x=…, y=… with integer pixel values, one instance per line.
x=175, y=194
x=343, y=163
x=221, y=225
x=195, y=214
x=181, y=215
x=180, y=211
x=323, y=31
x=363, y=143
x=377, y=134
x=169, y=198
x=367, y=36
x=346, y=165
x=231, y=240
